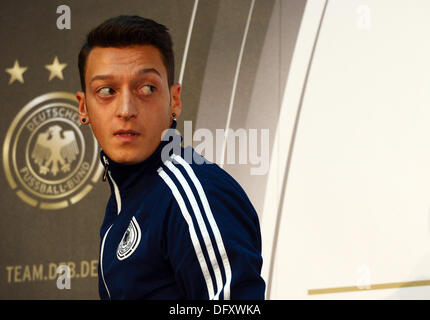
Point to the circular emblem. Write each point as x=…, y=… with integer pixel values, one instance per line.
x=49, y=159
x=129, y=241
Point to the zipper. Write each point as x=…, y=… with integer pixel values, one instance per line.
x=115, y=186
x=106, y=168
x=101, y=260
x=116, y=191
x=118, y=203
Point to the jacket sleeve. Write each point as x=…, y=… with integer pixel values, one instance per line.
x=214, y=243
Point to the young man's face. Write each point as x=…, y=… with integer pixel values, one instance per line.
x=128, y=101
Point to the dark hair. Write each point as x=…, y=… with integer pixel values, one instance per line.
x=123, y=31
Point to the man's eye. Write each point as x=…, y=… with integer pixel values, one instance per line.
x=105, y=91
x=147, y=89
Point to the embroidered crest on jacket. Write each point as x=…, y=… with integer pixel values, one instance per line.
x=129, y=241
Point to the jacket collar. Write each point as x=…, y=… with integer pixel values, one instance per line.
x=126, y=175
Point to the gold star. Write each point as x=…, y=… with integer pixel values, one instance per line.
x=56, y=69
x=16, y=72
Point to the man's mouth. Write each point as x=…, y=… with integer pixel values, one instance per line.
x=126, y=133
x=126, y=136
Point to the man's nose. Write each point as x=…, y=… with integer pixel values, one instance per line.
x=126, y=106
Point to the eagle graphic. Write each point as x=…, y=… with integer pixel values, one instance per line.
x=55, y=150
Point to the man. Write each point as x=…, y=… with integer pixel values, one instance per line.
x=172, y=229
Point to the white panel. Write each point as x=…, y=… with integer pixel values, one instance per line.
x=282, y=137
x=359, y=185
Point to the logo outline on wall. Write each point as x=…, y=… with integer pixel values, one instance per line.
x=49, y=160
x=129, y=241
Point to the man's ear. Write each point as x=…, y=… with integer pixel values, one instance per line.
x=83, y=112
x=176, y=103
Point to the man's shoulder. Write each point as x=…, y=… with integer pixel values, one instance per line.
x=190, y=168
x=195, y=186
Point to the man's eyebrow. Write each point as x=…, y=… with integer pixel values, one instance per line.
x=101, y=77
x=146, y=70
x=109, y=76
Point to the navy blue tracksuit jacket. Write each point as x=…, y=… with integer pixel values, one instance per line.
x=178, y=230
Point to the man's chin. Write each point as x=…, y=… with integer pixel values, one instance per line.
x=128, y=160
x=125, y=157
x=128, y=154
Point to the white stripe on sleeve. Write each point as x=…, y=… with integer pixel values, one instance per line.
x=201, y=225
x=212, y=222
x=193, y=235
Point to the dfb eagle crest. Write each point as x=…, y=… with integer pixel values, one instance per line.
x=54, y=151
